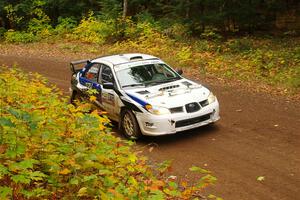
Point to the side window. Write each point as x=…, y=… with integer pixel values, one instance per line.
x=92, y=73
x=106, y=74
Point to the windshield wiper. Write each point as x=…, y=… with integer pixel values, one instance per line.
x=133, y=85
x=173, y=79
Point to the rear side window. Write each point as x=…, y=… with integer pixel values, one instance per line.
x=106, y=74
x=92, y=73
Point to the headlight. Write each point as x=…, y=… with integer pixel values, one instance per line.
x=157, y=110
x=211, y=98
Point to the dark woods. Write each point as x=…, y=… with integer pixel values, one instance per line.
x=222, y=16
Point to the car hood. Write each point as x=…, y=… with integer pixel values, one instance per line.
x=169, y=95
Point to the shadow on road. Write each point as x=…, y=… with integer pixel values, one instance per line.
x=185, y=136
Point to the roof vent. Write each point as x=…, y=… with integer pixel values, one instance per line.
x=136, y=58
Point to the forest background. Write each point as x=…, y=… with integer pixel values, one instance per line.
x=256, y=40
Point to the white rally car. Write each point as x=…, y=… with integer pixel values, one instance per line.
x=144, y=94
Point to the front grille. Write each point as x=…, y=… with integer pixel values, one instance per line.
x=195, y=120
x=176, y=110
x=204, y=103
x=192, y=107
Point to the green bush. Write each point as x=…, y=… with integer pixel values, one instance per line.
x=65, y=25
x=142, y=28
x=39, y=28
x=92, y=30
x=20, y=37
x=2, y=32
x=211, y=33
x=52, y=150
x=177, y=31
x=239, y=45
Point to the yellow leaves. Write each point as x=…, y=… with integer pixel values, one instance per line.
x=184, y=184
x=260, y=178
x=65, y=171
x=93, y=98
x=132, y=158
x=82, y=192
x=10, y=99
x=156, y=185
x=71, y=162
x=101, y=127
x=67, y=140
x=95, y=113
x=184, y=55
x=100, y=112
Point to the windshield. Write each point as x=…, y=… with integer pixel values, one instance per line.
x=144, y=75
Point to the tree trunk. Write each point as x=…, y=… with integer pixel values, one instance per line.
x=125, y=8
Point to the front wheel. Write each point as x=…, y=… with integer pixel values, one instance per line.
x=130, y=126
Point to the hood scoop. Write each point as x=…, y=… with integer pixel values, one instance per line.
x=168, y=87
x=143, y=92
x=190, y=85
x=187, y=84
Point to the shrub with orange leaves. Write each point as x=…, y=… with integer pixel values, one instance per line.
x=50, y=149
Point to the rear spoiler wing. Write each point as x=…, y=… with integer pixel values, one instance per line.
x=76, y=66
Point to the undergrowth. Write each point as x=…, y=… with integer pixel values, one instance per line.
x=50, y=149
x=273, y=61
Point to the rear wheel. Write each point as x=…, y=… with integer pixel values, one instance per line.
x=76, y=98
x=130, y=126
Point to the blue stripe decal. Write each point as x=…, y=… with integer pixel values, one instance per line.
x=83, y=81
x=143, y=103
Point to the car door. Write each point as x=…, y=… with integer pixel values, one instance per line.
x=89, y=79
x=109, y=96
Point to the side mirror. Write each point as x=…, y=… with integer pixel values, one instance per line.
x=179, y=71
x=108, y=86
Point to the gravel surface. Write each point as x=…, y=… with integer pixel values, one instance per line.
x=254, y=150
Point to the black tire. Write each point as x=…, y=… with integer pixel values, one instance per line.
x=130, y=126
x=76, y=98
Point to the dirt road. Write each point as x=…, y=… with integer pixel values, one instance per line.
x=258, y=136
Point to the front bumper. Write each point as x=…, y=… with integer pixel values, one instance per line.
x=155, y=125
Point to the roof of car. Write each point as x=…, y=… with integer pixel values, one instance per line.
x=124, y=58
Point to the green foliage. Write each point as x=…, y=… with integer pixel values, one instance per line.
x=166, y=29
x=272, y=61
x=110, y=9
x=2, y=32
x=239, y=45
x=12, y=16
x=184, y=55
x=91, y=30
x=52, y=150
x=19, y=37
x=178, y=31
x=39, y=25
x=64, y=26
x=198, y=16
x=211, y=34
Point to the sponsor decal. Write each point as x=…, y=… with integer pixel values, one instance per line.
x=108, y=98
